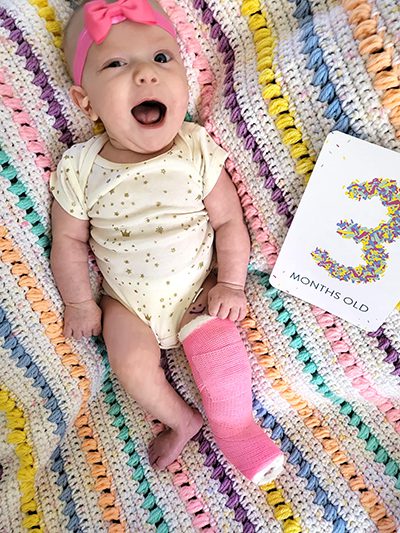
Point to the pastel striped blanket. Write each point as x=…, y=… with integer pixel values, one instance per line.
x=269, y=80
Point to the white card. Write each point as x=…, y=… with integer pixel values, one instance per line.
x=342, y=251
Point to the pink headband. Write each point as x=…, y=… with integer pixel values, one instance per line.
x=100, y=16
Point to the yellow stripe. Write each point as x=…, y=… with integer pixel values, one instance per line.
x=23, y=450
x=110, y=507
x=282, y=510
x=279, y=106
x=313, y=419
x=53, y=26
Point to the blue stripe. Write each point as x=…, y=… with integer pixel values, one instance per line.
x=290, y=330
x=316, y=63
x=22, y=359
x=331, y=513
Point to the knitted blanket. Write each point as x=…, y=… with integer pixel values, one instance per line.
x=269, y=80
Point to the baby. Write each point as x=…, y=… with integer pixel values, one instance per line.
x=159, y=211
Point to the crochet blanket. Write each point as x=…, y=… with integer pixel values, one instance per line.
x=269, y=79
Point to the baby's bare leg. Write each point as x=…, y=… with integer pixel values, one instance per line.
x=135, y=358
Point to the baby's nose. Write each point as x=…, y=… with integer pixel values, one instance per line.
x=145, y=74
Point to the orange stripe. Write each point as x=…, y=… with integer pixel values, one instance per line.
x=377, y=51
x=72, y=361
x=313, y=420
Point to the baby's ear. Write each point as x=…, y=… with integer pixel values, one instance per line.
x=80, y=98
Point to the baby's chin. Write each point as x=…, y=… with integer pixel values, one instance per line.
x=135, y=150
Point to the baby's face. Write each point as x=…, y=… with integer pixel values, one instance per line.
x=136, y=83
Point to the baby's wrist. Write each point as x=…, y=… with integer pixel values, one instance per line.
x=236, y=286
x=78, y=304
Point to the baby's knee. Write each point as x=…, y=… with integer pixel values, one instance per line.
x=137, y=370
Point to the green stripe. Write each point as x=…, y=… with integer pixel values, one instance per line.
x=149, y=503
x=310, y=367
x=17, y=187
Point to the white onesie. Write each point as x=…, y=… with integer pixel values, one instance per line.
x=149, y=229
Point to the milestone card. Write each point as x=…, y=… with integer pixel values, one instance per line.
x=342, y=252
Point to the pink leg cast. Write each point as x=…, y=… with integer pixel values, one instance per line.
x=221, y=370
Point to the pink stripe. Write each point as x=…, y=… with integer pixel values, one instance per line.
x=347, y=358
x=27, y=131
x=187, y=490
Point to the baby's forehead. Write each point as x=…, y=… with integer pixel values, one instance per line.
x=76, y=25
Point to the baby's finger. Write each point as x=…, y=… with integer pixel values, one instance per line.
x=77, y=334
x=243, y=313
x=67, y=331
x=234, y=314
x=213, y=307
x=223, y=311
x=96, y=330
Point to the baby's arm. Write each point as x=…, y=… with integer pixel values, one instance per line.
x=69, y=263
x=227, y=299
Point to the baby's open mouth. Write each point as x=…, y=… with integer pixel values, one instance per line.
x=149, y=112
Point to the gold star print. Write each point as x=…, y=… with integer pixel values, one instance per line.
x=128, y=271
x=163, y=171
x=112, y=191
x=125, y=233
x=126, y=194
x=116, y=213
x=201, y=264
x=159, y=229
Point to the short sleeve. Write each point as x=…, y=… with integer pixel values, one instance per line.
x=66, y=187
x=208, y=157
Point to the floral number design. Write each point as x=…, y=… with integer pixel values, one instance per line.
x=373, y=240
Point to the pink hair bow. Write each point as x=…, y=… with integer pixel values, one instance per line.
x=99, y=16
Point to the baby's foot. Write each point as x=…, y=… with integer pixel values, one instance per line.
x=167, y=446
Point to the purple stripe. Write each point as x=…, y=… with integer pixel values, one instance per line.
x=40, y=77
x=236, y=116
x=211, y=461
x=392, y=355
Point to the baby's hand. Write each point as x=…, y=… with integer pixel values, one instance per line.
x=82, y=320
x=227, y=302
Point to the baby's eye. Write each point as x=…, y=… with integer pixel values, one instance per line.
x=162, y=57
x=114, y=64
